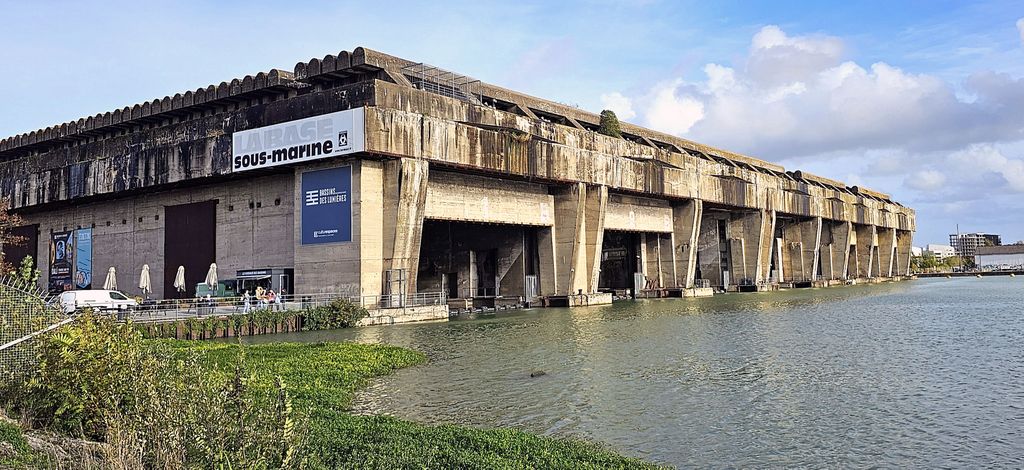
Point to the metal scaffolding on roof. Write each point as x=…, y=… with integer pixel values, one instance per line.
x=443, y=82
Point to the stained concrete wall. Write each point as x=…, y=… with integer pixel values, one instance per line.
x=469, y=198
x=254, y=223
x=638, y=214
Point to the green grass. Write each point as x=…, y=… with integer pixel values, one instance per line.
x=322, y=378
x=14, y=449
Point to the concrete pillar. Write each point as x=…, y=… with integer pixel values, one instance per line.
x=651, y=257
x=371, y=228
x=801, y=242
x=578, y=236
x=405, y=189
x=904, y=243
x=668, y=259
x=867, y=251
x=709, y=250
x=886, y=251
x=568, y=237
x=596, y=207
x=546, y=255
x=686, y=219
x=841, y=236
x=750, y=237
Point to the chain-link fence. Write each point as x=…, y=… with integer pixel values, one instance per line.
x=24, y=314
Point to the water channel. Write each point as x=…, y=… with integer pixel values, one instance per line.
x=922, y=373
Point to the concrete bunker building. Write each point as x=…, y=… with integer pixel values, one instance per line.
x=365, y=174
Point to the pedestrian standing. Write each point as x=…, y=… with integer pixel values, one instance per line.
x=261, y=297
x=246, y=302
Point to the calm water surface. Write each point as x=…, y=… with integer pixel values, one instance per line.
x=923, y=373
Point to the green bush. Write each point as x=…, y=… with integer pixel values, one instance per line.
x=339, y=313
x=99, y=380
x=609, y=124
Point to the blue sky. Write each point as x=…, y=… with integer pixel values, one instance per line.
x=921, y=99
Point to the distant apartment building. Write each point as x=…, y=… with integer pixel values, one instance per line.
x=940, y=252
x=1000, y=257
x=965, y=245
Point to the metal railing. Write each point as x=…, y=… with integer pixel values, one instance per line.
x=181, y=309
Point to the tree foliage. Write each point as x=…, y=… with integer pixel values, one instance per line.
x=609, y=124
x=8, y=222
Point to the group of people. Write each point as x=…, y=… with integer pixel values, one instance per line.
x=264, y=298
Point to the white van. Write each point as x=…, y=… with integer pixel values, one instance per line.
x=98, y=300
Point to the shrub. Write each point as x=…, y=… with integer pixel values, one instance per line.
x=339, y=313
x=156, y=406
x=609, y=124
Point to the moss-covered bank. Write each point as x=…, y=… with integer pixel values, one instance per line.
x=322, y=379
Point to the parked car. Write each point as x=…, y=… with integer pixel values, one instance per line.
x=99, y=300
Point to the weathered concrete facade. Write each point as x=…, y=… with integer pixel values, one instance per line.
x=538, y=204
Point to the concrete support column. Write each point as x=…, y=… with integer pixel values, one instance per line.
x=578, y=237
x=371, y=227
x=886, y=251
x=841, y=236
x=668, y=259
x=546, y=256
x=709, y=250
x=651, y=258
x=867, y=251
x=596, y=207
x=686, y=218
x=750, y=238
x=904, y=243
x=801, y=242
x=405, y=187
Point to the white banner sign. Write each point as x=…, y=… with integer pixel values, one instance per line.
x=327, y=135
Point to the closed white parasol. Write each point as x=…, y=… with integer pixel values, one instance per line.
x=211, y=277
x=144, y=283
x=111, y=282
x=179, y=279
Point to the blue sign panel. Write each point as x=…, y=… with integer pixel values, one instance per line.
x=327, y=206
x=83, y=258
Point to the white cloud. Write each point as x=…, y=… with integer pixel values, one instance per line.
x=926, y=180
x=620, y=104
x=1020, y=29
x=796, y=96
x=671, y=112
x=975, y=166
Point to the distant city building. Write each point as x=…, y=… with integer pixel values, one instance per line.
x=966, y=244
x=916, y=251
x=999, y=257
x=940, y=252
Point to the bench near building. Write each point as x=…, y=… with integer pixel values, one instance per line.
x=368, y=175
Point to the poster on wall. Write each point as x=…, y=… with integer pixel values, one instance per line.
x=327, y=206
x=62, y=246
x=83, y=258
x=324, y=136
